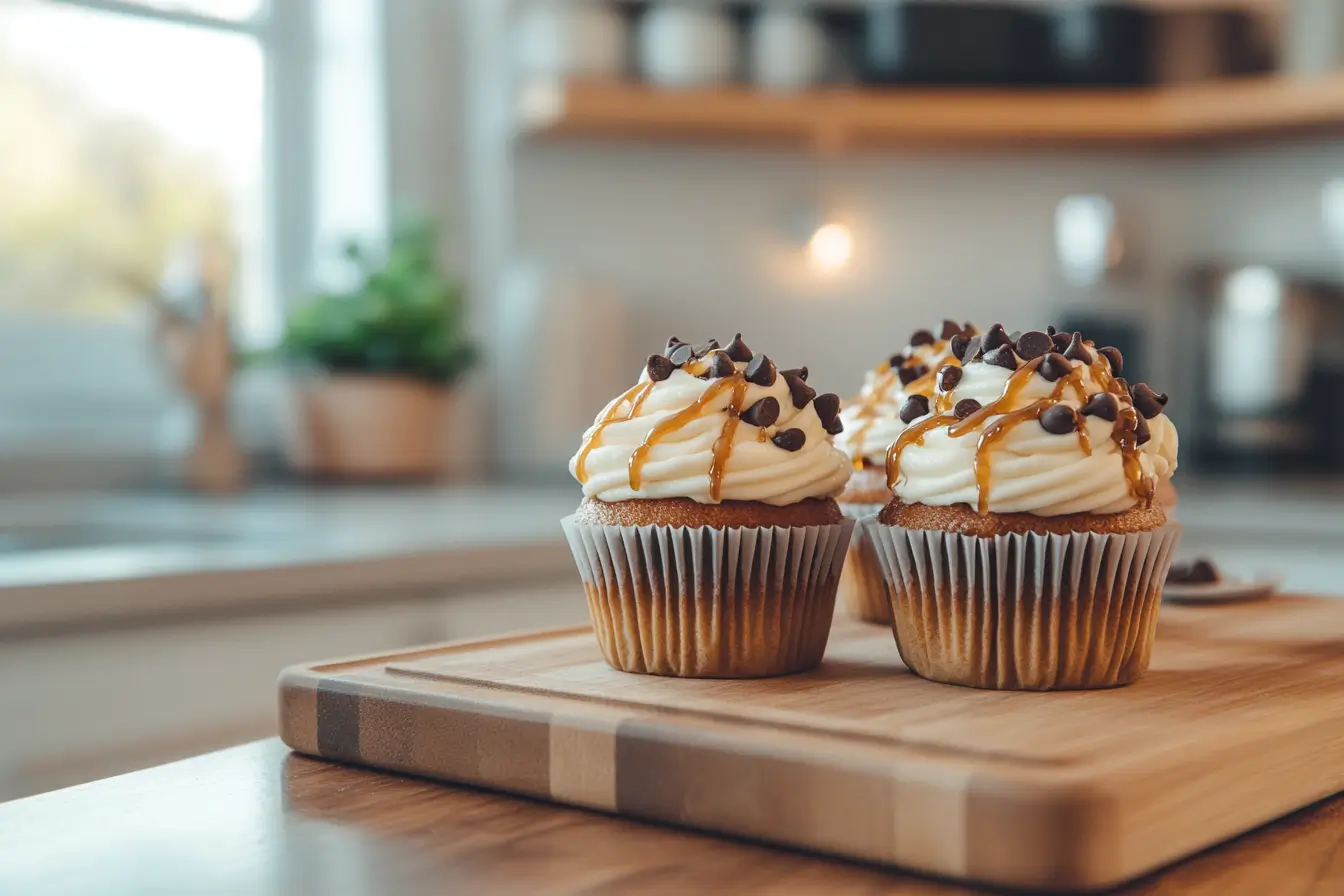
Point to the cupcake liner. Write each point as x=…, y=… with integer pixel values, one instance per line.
x=702, y=602
x=1025, y=612
x=863, y=588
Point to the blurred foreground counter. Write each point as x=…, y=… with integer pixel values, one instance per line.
x=256, y=819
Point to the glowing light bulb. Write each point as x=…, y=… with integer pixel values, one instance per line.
x=831, y=247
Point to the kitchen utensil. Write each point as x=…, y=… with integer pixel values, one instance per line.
x=861, y=759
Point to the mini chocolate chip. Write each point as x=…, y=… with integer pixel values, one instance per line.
x=761, y=371
x=800, y=391
x=957, y=345
x=1142, y=431
x=896, y=360
x=973, y=349
x=948, y=378
x=1147, y=402
x=835, y=427
x=1061, y=341
x=659, y=368
x=763, y=413
x=1002, y=357
x=911, y=373
x=1053, y=366
x=800, y=372
x=1112, y=354
x=915, y=406
x=828, y=409
x=790, y=439
x=1033, y=344
x=965, y=408
x=921, y=337
x=710, y=346
x=968, y=328
x=1103, y=405
x=995, y=337
x=1196, y=572
x=720, y=365
x=1059, y=419
x=681, y=354
x=1050, y=331
x=1076, y=351
x=737, y=350
x=672, y=345
x=950, y=328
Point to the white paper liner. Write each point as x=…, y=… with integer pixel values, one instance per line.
x=1025, y=612
x=863, y=588
x=710, y=603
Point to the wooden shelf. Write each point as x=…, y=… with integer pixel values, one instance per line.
x=844, y=119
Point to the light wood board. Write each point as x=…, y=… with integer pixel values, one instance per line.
x=1239, y=720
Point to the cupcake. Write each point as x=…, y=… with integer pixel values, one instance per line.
x=1024, y=548
x=872, y=421
x=709, y=540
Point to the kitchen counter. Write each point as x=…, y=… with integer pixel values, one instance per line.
x=258, y=820
x=156, y=555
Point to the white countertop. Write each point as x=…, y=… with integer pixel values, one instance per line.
x=185, y=554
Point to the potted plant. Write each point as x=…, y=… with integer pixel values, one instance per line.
x=373, y=368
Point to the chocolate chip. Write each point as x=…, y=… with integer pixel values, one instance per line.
x=911, y=373
x=921, y=337
x=948, y=378
x=915, y=406
x=968, y=328
x=1050, y=331
x=1104, y=406
x=1142, y=431
x=957, y=345
x=710, y=346
x=1061, y=341
x=965, y=408
x=1112, y=354
x=800, y=391
x=1033, y=344
x=763, y=413
x=761, y=371
x=1076, y=351
x=1059, y=419
x=896, y=360
x=672, y=345
x=1053, y=366
x=1147, y=402
x=659, y=368
x=1196, y=572
x=996, y=336
x=720, y=365
x=681, y=354
x=800, y=372
x=827, y=407
x=737, y=350
x=972, y=351
x=1002, y=357
x=790, y=439
x=950, y=328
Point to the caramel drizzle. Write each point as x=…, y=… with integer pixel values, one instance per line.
x=913, y=435
x=635, y=395
x=722, y=445
x=867, y=409
x=994, y=433
x=1126, y=435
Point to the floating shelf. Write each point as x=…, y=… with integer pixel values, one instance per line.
x=860, y=118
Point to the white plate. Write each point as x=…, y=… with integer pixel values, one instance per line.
x=1224, y=592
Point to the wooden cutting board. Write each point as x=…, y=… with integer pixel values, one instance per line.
x=1240, y=720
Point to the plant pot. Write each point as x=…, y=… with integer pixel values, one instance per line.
x=365, y=427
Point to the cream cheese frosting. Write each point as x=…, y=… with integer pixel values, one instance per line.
x=714, y=425
x=872, y=420
x=996, y=442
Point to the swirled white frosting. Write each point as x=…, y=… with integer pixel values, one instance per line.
x=1031, y=470
x=678, y=464
x=872, y=420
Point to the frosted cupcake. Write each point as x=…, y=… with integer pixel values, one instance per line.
x=872, y=421
x=709, y=540
x=1024, y=548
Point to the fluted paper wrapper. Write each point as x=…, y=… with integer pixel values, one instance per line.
x=1025, y=612
x=701, y=602
x=863, y=588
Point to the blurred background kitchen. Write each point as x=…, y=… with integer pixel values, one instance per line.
x=304, y=305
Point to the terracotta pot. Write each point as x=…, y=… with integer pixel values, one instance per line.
x=366, y=427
